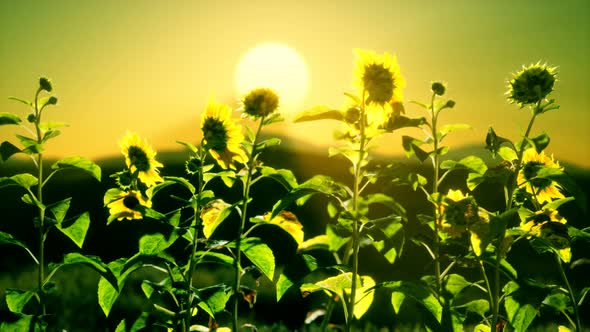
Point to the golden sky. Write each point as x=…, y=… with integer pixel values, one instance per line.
x=149, y=66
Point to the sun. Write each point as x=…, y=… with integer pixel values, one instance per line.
x=277, y=66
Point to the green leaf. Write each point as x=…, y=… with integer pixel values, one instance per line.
x=259, y=254
x=59, y=209
x=24, y=180
x=480, y=307
x=317, y=184
x=558, y=301
x=447, y=129
x=418, y=292
x=455, y=283
x=121, y=327
x=31, y=145
x=319, y=113
x=6, y=238
x=522, y=304
x=554, y=205
x=107, y=294
x=93, y=262
x=20, y=322
x=153, y=244
x=507, y=153
x=49, y=135
x=541, y=142
x=9, y=119
x=472, y=163
x=77, y=229
x=26, y=102
x=214, y=299
x=7, y=150
x=283, y=176
x=411, y=146
x=405, y=122
x=493, y=141
x=294, y=272
x=182, y=181
x=17, y=299
x=51, y=126
x=213, y=257
x=80, y=163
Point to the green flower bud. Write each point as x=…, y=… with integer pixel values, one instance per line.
x=438, y=88
x=450, y=104
x=31, y=118
x=260, y=102
x=45, y=84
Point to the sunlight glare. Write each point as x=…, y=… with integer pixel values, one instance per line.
x=276, y=66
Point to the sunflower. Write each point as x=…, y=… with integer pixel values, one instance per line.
x=531, y=84
x=378, y=78
x=551, y=226
x=533, y=223
x=140, y=158
x=260, y=102
x=545, y=190
x=222, y=136
x=127, y=205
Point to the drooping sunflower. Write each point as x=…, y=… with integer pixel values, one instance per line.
x=127, y=204
x=378, y=77
x=222, y=136
x=260, y=102
x=545, y=190
x=140, y=158
x=551, y=226
x=531, y=84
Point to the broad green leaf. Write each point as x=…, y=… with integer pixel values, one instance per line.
x=319, y=113
x=17, y=299
x=493, y=141
x=80, y=163
x=472, y=163
x=479, y=307
x=21, y=322
x=289, y=223
x=214, y=299
x=6, y=238
x=507, y=153
x=558, y=301
x=182, y=181
x=482, y=328
x=9, y=119
x=26, y=102
x=554, y=205
x=405, y=122
x=76, y=230
x=59, y=209
x=7, y=150
x=51, y=126
x=49, y=135
x=24, y=180
x=294, y=272
x=540, y=142
x=418, y=292
x=259, y=254
x=283, y=176
x=411, y=146
x=455, y=283
x=107, y=294
x=153, y=244
x=93, y=262
x=121, y=327
x=213, y=214
x=140, y=323
x=341, y=284
x=189, y=146
x=522, y=304
x=31, y=145
x=316, y=242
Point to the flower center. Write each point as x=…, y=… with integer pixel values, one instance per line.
x=531, y=169
x=378, y=82
x=215, y=134
x=138, y=158
x=130, y=202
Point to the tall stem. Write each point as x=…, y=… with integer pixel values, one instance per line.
x=355, y=225
x=578, y=326
x=41, y=225
x=196, y=218
x=437, y=207
x=246, y=196
x=511, y=188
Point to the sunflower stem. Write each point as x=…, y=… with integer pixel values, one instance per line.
x=192, y=263
x=41, y=225
x=437, y=207
x=510, y=193
x=578, y=325
x=246, y=196
x=355, y=226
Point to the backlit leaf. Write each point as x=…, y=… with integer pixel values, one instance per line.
x=24, y=180
x=17, y=299
x=80, y=163
x=418, y=292
x=77, y=229
x=319, y=113
x=6, y=238
x=259, y=254
x=9, y=119
x=7, y=150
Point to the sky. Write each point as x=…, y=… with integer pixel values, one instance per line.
x=150, y=66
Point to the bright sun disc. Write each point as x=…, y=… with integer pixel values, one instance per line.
x=275, y=66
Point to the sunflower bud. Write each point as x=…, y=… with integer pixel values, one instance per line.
x=531, y=84
x=438, y=88
x=450, y=104
x=260, y=102
x=45, y=84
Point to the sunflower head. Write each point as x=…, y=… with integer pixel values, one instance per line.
x=378, y=76
x=222, y=137
x=128, y=205
x=192, y=166
x=535, y=222
x=260, y=102
x=140, y=158
x=531, y=84
x=438, y=88
x=545, y=190
x=45, y=84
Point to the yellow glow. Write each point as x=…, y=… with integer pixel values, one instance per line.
x=275, y=66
